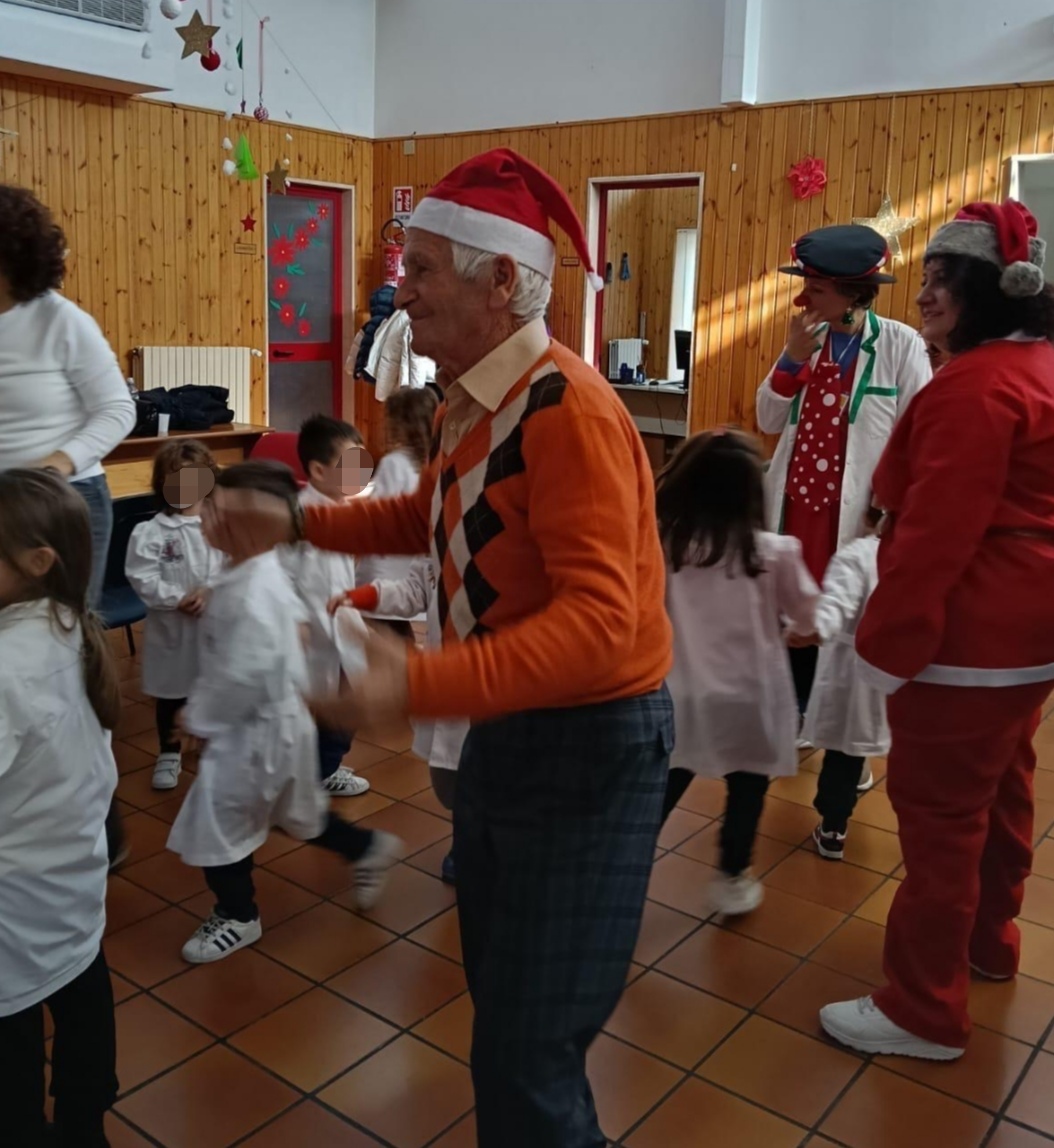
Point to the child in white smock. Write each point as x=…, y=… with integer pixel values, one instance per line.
x=409, y=419
x=437, y=742
x=247, y=717
x=332, y=647
x=59, y=694
x=846, y=716
x=171, y=567
x=730, y=586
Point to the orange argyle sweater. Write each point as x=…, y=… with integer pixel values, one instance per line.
x=541, y=524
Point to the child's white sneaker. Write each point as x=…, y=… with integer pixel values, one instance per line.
x=735, y=896
x=345, y=783
x=862, y=1025
x=371, y=869
x=218, y=937
x=867, y=780
x=166, y=771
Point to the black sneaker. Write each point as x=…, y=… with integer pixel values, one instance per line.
x=829, y=843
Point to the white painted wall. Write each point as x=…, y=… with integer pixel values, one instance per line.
x=319, y=57
x=319, y=61
x=463, y=65
x=816, y=48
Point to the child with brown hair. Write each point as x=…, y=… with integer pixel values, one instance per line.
x=59, y=694
x=731, y=587
x=409, y=422
x=171, y=566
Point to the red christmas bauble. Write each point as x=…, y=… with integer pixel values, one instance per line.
x=261, y=113
x=212, y=61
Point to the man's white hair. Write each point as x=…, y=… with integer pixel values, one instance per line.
x=533, y=290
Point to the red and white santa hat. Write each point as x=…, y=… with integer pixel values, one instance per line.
x=502, y=203
x=1001, y=233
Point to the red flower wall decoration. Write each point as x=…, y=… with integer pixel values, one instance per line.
x=280, y=287
x=808, y=177
x=287, y=314
x=283, y=251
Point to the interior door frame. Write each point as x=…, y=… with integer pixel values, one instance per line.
x=348, y=281
x=596, y=233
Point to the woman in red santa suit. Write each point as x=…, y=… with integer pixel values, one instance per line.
x=960, y=631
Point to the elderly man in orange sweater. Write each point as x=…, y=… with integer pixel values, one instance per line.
x=538, y=508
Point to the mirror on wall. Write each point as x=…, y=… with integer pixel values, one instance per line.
x=650, y=260
x=1031, y=180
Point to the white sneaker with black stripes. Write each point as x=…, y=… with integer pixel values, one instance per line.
x=218, y=937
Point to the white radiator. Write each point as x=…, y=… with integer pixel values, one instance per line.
x=169, y=367
x=628, y=351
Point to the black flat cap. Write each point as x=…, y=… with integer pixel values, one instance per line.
x=848, y=253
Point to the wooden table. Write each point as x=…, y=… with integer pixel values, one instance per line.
x=660, y=411
x=129, y=465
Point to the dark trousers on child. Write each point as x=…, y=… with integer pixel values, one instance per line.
x=233, y=884
x=83, y=1065
x=165, y=710
x=803, y=671
x=746, y=800
x=836, y=792
x=333, y=746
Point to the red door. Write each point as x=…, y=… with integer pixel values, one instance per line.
x=305, y=305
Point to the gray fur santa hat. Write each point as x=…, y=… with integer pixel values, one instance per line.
x=1001, y=233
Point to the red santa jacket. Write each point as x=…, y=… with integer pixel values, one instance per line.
x=966, y=567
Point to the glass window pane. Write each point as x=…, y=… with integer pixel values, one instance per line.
x=298, y=391
x=299, y=269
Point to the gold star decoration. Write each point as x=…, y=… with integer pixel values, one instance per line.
x=279, y=178
x=197, y=36
x=890, y=225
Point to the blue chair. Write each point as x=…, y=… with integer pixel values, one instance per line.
x=120, y=606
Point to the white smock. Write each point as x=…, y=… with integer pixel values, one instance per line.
x=260, y=766
x=733, y=695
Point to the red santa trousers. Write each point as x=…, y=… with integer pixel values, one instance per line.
x=960, y=781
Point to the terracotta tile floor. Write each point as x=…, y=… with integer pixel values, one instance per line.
x=340, y=1030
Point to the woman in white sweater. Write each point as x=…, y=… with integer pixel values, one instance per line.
x=64, y=404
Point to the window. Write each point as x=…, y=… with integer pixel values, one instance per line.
x=682, y=302
x=123, y=13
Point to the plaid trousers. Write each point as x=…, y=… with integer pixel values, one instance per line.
x=555, y=822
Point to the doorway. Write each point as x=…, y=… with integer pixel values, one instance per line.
x=305, y=304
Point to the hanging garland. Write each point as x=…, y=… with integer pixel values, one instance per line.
x=283, y=258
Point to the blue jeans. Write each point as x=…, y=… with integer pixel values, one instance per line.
x=96, y=494
x=333, y=746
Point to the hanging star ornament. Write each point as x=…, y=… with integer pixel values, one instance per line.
x=890, y=225
x=248, y=223
x=279, y=178
x=197, y=36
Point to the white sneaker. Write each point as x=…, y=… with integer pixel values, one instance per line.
x=735, y=896
x=802, y=745
x=990, y=976
x=862, y=1025
x=371, y=869
x=867, y=781
x=166, y=771
x=345, y=783
x=218, y=937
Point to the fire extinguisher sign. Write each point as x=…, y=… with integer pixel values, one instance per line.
x=403, y=204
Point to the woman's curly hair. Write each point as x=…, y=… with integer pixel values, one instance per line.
x=32, y=245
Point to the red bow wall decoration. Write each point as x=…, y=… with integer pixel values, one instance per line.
x=808, y=177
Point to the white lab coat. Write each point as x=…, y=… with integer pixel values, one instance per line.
x=891, y=369
x=733, y=696
x=167, y=558
x=845, y=713
x=333, y=644
x=437, y=742
x=397, y=473
x=392, y=363
x=57, y=776
x=260, y=766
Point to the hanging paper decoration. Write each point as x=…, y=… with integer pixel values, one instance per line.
x=279, y=179
x=197, y=36
x=260, y=112
x=229, y=167
x=230, y=88
x=170, y=9
x=243, y=158
x=890, y=225
x=249, y=223
x=238, y=53
x=808, y=177
x=623, y=271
